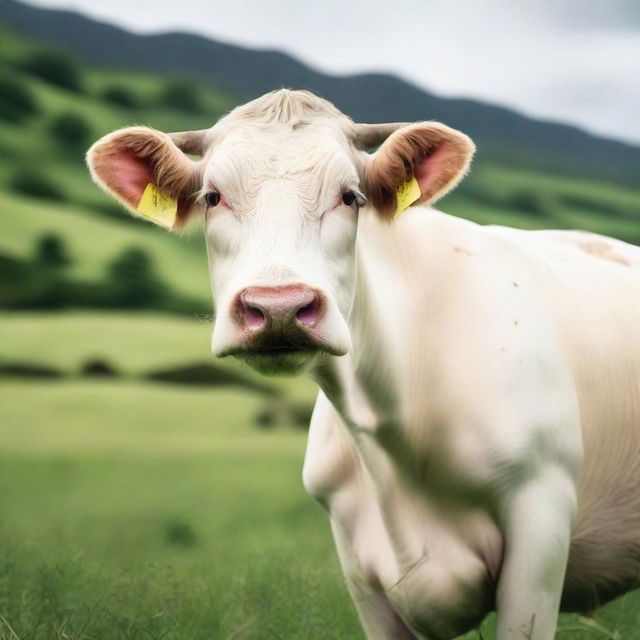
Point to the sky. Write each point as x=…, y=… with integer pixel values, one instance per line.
x=575, y=61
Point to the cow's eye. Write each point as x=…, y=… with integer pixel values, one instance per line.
x=212, y=198
x=348, y=198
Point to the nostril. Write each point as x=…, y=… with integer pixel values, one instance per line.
x=309, y=314
x=252, y=316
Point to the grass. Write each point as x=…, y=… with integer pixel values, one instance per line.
x=133, y=343
x=134, y=511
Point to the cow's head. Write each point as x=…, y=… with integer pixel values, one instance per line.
x=281, y=182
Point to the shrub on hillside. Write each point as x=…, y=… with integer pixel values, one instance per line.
x=279, y=411
x=120, y=96
x=28, y=370
x=301, y=413
x=133, y=280
x=180, y=533
x=529, y=202
x=51, y=252
x=32, y=183
x=98, y=368
x=210, y=375
x=183, y=95
x=17, y=102
x=14, y=275
x=54, y=67
x=71, y=130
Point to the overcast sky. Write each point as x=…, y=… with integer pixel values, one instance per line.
x=576, y=61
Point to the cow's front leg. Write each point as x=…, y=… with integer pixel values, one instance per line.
x=537, y=524
x=379, y=620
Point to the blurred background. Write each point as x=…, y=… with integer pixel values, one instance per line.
x=146, y=489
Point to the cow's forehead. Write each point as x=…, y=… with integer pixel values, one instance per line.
x=284, y=106
x=314, y=157
x=281, y=142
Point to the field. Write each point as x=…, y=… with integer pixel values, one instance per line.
x=139, y=510
x=132, y=509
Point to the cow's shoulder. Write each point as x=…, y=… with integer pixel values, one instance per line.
x=331, y=460
x=486, y=380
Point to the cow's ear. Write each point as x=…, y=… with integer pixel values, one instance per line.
x=145, y=170
x=432, y=153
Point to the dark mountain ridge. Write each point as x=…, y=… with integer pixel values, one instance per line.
x=502, y=135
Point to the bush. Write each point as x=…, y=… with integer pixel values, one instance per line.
x=205, y=374
x=28, y=370
x=266, y=418
x=71, y=130
x=47, y=290
x=529, y=202
x=97, y=368
x=51, y=252
x=32, y=183
x=180, y=533
x=120, y=96
x=183, y=95
x=279, y=411
x=15, y=274
x=54, y=67
x=133, y=280
x=301, y=413
x=17, y=102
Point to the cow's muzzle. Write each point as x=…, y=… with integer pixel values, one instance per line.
x=277, y=310
x=278, y=321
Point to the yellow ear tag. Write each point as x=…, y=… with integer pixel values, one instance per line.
x=406, y=195
x=158, y=207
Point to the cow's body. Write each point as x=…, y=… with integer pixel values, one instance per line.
x=507, y=348
x=477, y=437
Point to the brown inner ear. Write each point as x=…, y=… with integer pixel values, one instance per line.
x=435, y=154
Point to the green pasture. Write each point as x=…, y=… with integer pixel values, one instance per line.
x=138, y=510
x=93, y=242
x=134, y=343
x=141, y=511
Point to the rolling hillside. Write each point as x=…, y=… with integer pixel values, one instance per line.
x=96, y=231
x=502, y=135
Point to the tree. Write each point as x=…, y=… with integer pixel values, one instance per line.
x=16, y=100
x=133, y=280
x=530, y=202
x=71, y=130
x=54, y=67
x=120, y=96
x=32, y=183
x=51, y=252
x=182, y=94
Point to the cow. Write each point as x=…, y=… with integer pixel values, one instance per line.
x=476, y=435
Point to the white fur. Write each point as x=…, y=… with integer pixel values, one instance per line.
x=465, y=444
x=476, y=445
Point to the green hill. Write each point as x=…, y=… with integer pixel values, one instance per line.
x=45, y=187
x=502, y=134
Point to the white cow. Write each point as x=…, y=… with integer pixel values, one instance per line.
x=476, y=439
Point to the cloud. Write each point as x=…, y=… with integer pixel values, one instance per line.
x=571, y=60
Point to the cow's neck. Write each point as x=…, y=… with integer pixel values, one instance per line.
x=364, y=385
x=365, y=388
